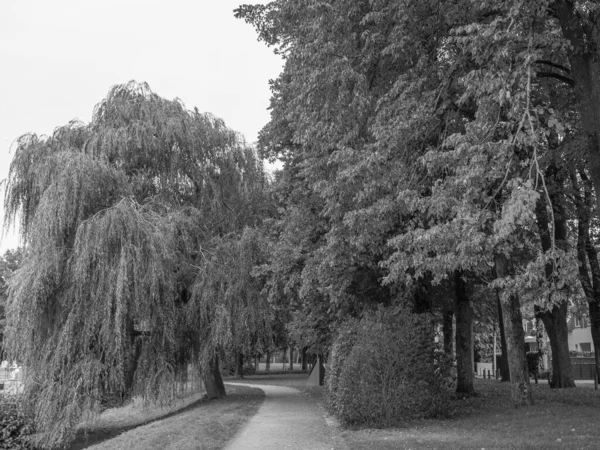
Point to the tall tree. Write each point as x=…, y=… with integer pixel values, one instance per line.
x=121, y=216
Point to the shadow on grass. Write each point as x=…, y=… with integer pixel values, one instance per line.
x=86, y=438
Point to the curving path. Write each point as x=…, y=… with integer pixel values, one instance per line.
x=286, y=420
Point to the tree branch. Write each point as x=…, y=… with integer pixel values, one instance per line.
x=553, y=64
x=557, y=76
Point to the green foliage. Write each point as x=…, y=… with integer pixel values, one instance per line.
x=16, y=424
x=384, y=371
x=123, y=217
x=9, y=263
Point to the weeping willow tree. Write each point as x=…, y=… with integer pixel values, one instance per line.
x=129, y=221
x=228, y=302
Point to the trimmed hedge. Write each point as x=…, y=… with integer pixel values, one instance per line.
x=384, y=371
x=15, y=424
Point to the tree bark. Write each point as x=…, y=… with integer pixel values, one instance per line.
x=291, y=357
x=521, y=393
x=555, y=322
x=268, y=364
x=239, y=364
x=555, y=319
x=584, y=59
x=464, y=342
x=589, y=266
x=213, y=382
x=304, y=358
x=504, y=372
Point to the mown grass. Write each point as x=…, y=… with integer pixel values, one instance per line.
x=202, y=424
x=560, y=419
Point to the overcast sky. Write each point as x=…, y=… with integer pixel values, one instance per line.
x=59, y=58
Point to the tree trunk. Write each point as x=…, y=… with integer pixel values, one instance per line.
x=131, y=362
x=515, y=341
x=555, y=322
x=555, y=319
x=504, y=372
x=304, y=358
x=291, y=357
x=239, y=364
x=585, y=71
x=589, y=266
x=268, y=364
x=595, y=328
x=464, y=342
x=213, y=382
x=447, y=331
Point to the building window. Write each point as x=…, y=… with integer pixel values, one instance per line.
x=577, y=322
x=585, y=346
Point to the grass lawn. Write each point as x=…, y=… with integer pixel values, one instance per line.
x=560, y=419
x=201, y=424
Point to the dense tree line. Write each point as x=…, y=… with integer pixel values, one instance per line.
x=435, y=146
x=439, y=158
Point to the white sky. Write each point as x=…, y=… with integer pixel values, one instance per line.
x=59, y=58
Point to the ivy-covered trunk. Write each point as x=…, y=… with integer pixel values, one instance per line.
x=504, y=372
x=464, y=334
x=213, y=382
x=515, y=340
x=555, y=322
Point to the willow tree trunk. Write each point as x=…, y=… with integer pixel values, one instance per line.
x=504, y=372
x=239, y=364
x=521, y=393
x=555, y=322
x=213, y=382
x=464, y=334
x=131, y=361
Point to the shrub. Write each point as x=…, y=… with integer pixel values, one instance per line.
x=384, y=371
x=15, y=424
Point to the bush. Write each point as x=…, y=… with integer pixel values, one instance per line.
x=384, y=371
x=15, y=424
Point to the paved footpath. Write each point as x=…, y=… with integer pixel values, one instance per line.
x=287, y=420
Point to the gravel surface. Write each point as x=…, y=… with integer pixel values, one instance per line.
x=287, y=420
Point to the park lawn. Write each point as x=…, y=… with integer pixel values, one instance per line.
x=560, y=419
x=202, y=424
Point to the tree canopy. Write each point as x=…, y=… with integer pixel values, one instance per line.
x=123, y=218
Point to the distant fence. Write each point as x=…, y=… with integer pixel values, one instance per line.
x=583, y=368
